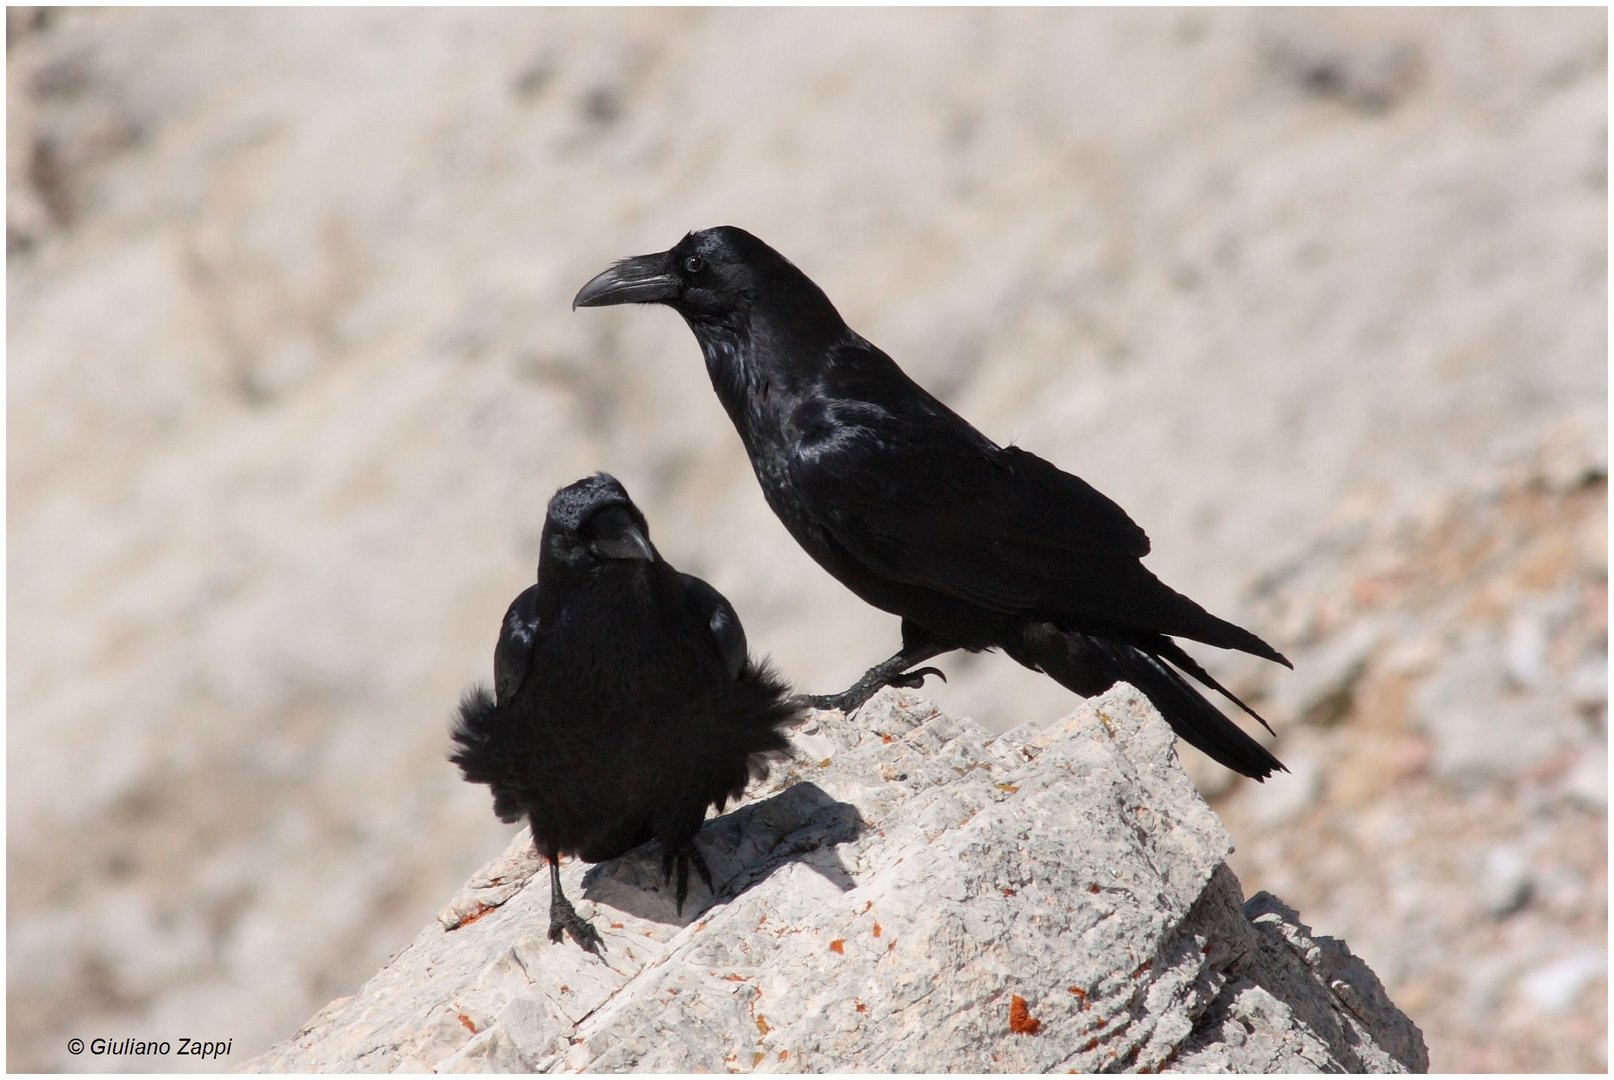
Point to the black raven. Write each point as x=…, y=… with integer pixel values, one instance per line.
x=624, y=702
x=974, y=545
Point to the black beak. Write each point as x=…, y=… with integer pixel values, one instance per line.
x=643, y=279
x=615, y=535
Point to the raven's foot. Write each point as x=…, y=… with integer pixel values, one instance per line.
x=853, y=698
x=564, y=919
x=680, y=858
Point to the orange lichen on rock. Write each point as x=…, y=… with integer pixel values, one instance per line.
x=469, y=1026
x=481, y=910
x=1021, y=1022
x=876, y=929
x=762, y=1024
x=784, y=1055
x=1008, y=789
x=838, y=946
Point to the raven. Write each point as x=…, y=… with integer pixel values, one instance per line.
x=975, y=545
x=624, y=702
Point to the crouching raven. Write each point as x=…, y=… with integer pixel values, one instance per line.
x=624, y=703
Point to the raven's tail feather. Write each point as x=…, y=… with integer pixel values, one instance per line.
x=1090, y=666
x=474, y=733
x=1173, y=652
x=764, y=712
x=1191, y=621
x=1233, y=636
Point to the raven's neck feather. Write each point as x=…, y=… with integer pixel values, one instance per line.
x=762, y=362
x=726, y=346
x=600, y=585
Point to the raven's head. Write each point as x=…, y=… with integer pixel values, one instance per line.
x=593, y=522
x=714, y=275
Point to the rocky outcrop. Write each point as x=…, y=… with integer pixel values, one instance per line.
x=908, y=894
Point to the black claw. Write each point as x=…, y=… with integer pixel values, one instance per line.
x=913, y=680
x=564, y=919
x=683, y=882
x=681, y=859
x=699, y=860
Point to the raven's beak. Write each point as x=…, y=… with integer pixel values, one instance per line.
x=643, y=279
x=615, y=535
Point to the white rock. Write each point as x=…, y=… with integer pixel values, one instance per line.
x=874, y=924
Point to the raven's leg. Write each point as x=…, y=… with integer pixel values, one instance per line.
x=680, y=857
x=893, y=672
x=564, y=919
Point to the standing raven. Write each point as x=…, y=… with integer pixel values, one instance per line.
x=624, y=703
x=974, y=545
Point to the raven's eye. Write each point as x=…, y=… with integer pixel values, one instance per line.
x=694, y=264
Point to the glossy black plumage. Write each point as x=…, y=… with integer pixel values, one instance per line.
x=974, y=545
x=624, y=701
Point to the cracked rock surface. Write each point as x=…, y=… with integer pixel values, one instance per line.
x=909, y=893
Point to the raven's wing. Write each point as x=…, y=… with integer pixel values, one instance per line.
x=920, y=497
x=728, y=636
x=512, y=656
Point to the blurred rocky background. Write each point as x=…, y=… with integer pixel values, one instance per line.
x=1319, y=296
